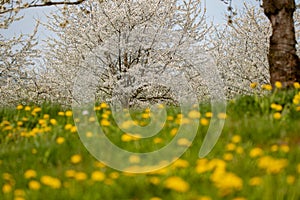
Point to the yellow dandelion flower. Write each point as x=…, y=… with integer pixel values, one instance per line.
x=34, y=151
x=177, y=184
x=170, y=118
x=68, y=113
x=89, y=134
x=239, y=198
x=114, y=175
x=204, y=198
x=255, y=181
x=75, y=159
x=204, y=122
x=20, y=107
x=277, y=115
x=60, y=140
x=274, y=148
x=61, y=113
x=68, y=126
x=103, y=105
x=37, y=109
x=73, y=129
x=34, y=185
x=52, y=182
x=70, y=173
x=130, y=137
x=19, y=193
x=208, y=114
x=134, y=159
x=271, y=165
x=53, y=121
x=154, y=180
x=183, y=142
x=285, y=148
x=298, y=168
x=157, y=140
x=230, y=147
x=278, y=84
x=180, y=163
x=30, y=173
x=276, y=107
x=253, y=85
x=236, y=139
x=80, y=176
x=27, y=108
x=173, y=131
x=297, y=85
x=255, y=152
x=194, y=114
x=228, y=156
x=105, y=122
x=267, y=87
x=145, y=115
x=19, y=198
x=290, y=179
x=6, y=188
x=155, y=198
x=222, y=116
x=98, y=176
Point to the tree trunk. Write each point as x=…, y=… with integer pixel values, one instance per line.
x=283, y=61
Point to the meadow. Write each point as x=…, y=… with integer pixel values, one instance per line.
x=256, y=157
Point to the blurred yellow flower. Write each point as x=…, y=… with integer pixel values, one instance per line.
x=174, y=131
x=154, y=180
x=177, y=184
x=70, y=173
x=157, y=140
x=98, y=176
x=194, y=114
x=204, y=122
x=228, y=156
x=253, y=85
x=298, y=168
x=274, y=148
x=285, y=148
x=76, y=159
x=6, y=188
x=114, y=175
x=60, y=140
x=222, y=115
x=208, y=114
x=266, y=87
x=53, y=121
x=230, y=147
x=296, y=85
x=105, y=122
x=80, y=176
x=20, y=107
x=226, y=182
x=276, y=107
x=180, y=163
x=34, y=185
x=278, y=84
x=155, y=198
x=183, y=142
x=52, y=182
x=69, y=113
x=27, y=108
x=204, y=198
x=68, y=126
x=255, y=152
x=290, y=179
x=30, y=173
x=61, y=113
x=103, y=105
x=255, y=181
x=19, y=193
x=134, y=159
x=277, y=115
x=130, y=137
x=236, y=139
x=272, y=165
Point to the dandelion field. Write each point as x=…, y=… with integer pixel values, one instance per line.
x=256, y=157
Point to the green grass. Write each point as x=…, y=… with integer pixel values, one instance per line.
x=256, y=157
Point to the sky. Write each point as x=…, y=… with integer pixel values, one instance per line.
x=216, y=12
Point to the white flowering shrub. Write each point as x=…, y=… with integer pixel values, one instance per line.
x=126, y=41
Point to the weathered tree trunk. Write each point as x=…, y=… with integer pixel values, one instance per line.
x=283, y=61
